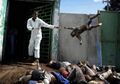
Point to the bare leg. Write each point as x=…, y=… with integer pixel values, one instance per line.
x=89, y=71
x=95, y=26
x=106, y=74
x=94, y=16
x=90, y=21
x=74, y=32
x=76, y=74
x=80, y=39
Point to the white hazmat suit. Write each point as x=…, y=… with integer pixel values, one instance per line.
x=36, y=35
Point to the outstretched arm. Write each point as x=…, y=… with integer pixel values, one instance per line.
x=44, y=24
x=71, y=28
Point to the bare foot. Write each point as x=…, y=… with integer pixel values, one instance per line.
x=100, y=24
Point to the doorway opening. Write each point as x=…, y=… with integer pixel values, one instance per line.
x=17, y=36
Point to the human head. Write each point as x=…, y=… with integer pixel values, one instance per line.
x=35, y=14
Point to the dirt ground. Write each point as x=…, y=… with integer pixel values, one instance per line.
x=9, y=74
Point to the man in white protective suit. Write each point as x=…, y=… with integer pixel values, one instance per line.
x=34, y=24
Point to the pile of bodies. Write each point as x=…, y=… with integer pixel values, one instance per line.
x=67, y=73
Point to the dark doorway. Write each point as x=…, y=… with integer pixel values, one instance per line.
x=17, y=35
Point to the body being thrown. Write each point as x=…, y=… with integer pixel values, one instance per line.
x=77, y=31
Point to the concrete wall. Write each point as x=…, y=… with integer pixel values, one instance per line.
x=70, y=48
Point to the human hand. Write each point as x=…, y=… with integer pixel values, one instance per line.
x=56, y=27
